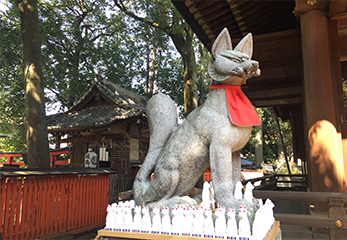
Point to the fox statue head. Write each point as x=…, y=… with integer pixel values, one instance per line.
x=232, y=67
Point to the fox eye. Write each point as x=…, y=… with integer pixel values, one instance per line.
x=237, y=60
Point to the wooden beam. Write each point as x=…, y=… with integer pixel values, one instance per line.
x=91, y=138
x=336, y=8
x=273, y=83
x=216, y=10
x=195, y=7
x=193, y=23
x=309, y=220
x=343, y=47
x=299, y=196
x=281, y=62
x=278, y=103
x=274, y=98
x=238, y=17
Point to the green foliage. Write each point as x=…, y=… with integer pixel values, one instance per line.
x=11, y=81
x=73, y=38
x=162, y=22
x=16, y=142
x=82, y=38
x=283, y=169
x=271, y=138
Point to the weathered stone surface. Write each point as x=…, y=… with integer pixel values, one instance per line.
x=162, y=120
x=207, y=138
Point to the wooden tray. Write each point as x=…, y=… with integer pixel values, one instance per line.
x=105, y=233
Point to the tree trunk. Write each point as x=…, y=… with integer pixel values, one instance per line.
x=184, y=45
x=189, y=75
x=259, y=146
x=202, y=72
x=35, y=116
x=72, y=88
x=151, y=77
x=147, y=67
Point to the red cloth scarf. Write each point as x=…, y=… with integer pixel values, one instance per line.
x=241, y=111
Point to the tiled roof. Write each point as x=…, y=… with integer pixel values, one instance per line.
x=126, y=105
x=118, y=95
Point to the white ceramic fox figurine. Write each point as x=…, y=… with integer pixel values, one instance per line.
x=248, y=195
x=238, y=190
x=119, y=217
x=110, y=217
x=176, y=221
x=206, y=202
x=165, y=220
x=132, y=204
x=156, y=220
x=187, y=220
x=268, y=206
x=137, y=222
x=190, y=216
x=146, y=220
x=208, y=222
x=244, y=227
x=121, y=203
x=128, y=218
x=220, y=223
x=198, y=220
x=231, y=224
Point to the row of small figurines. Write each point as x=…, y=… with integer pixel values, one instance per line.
x=190, y=221
x=208, y=197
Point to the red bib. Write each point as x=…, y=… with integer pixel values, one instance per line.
x=241, y=111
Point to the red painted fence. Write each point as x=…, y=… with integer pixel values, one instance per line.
x=41, y=205
x=53, y=153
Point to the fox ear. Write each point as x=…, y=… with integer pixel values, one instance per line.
x=246, y=45
x=222, y=42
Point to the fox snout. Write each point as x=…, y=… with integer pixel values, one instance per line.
x=249, y=68
x=227, y=67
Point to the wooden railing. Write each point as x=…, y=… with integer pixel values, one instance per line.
x=335, y=220
x=119, y=183
x=10, y=158
x=53, y=153
x=40, y=203
x=270, y=182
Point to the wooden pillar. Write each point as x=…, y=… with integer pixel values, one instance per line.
x=57, y=140
x=344, y=134
x=325, y=164
x=97, y=149
x=341, y=125
x=296, y=121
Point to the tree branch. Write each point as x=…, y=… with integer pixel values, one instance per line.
x=179, y=42
x=53, y=91
x=102, y=35
x=119, y=4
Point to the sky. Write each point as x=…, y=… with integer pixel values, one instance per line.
x=3, y=5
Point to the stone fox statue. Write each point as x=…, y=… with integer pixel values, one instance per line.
x=211, y=136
